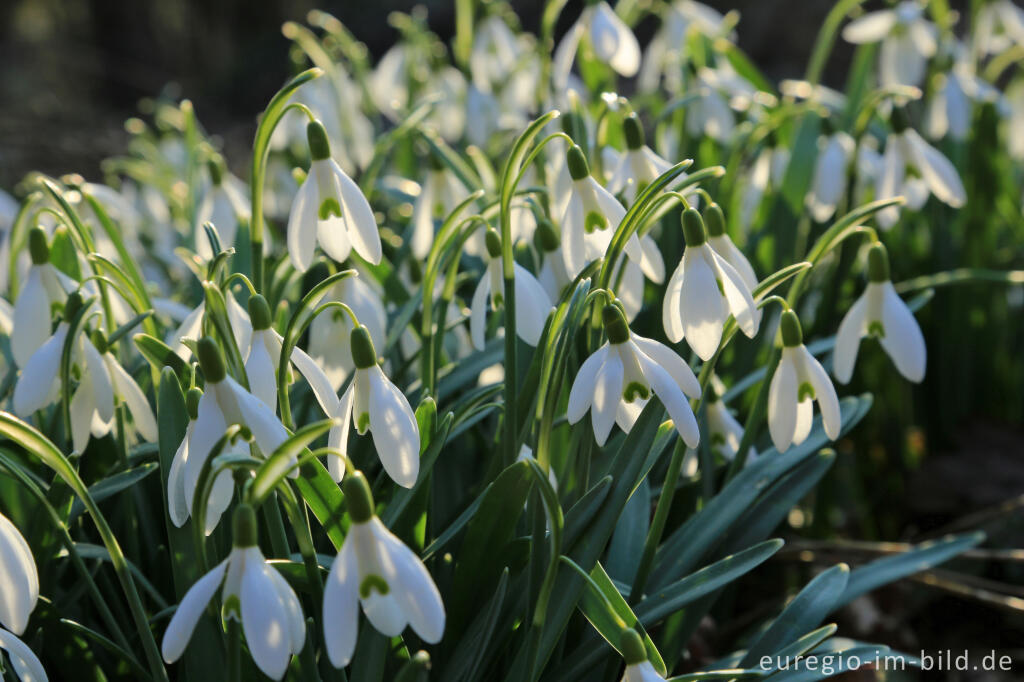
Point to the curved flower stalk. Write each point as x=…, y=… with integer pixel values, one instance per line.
x=835, y=151
x=254, y=594
x=908, y=41
x=532, y=303
x=19, y=591
x=331, y=210
x=616, y=382
x=42, y=289
x=611, y=40
x=798, y=381
x=665, y=56
x=881, y=313
x=223, y=204
x=440, y=193
x=906, y=153
x=703, y=291
x=590, y=218
x=638, y=667
x=376, y=405
x=330, y=332
x=264, y=359
x=376, y=570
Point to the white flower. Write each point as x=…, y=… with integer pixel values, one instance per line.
x=375, y=569
x=830, y=176
x=25, y=663
x=330, y=209
x=906, y=149
x=611, y=40
x=329, y=332
x=631, y=284
x=702, y=293
x=709, y=114
x=725, y=432
x=998, y=26
x=376, y=405
x=722, y=244
x=616, y=382
x=638, y=166
x=768, y=171
x=666, y=53
x=19, y=581
x=881, y=313
x=591, y=217
x=41, y=289
x=494, y=54
x=798, y=381
x=908, y=40
x=264, y=357
x=127, y=389
x=223, y=203
x=532, y=302
x=440, y=193
x=192, y=326
x=253, y=593
x=953, y=95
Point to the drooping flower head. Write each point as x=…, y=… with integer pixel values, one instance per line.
x=41, y=290
x=638, y=666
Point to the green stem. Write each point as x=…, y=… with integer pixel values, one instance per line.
x=827, y=38
x=234, y=651
x=668, y=491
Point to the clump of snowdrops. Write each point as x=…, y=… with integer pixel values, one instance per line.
x=498, y=366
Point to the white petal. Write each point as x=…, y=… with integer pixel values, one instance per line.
x=782, y=395
x=82, y=410
x=824, y=393
x=478, y=311
x=296, y=623
x=261, y=369
x=264, y=617
x=341, y=613
x=671, y=310
x=738, y=297
x=532, y=306
x=395, y=433
x=423, y=219
x=653, y=264
x=103, y=389
x=190, y=328
x=25, y=663
x=415, y=591
x=804, y=420
x=870, y=28
x=903, y=340
x=607, y=395
x=614, y=42
x=19, y=582
x=317, y=380
x=363, y=231
x=937, y=171
x=302, y=224
x=189, y=611
x=581, y=395
x=332, y=234
x=671, y=396
x=671, y=363
x=703, y=309
x=267, y=430
x=31, y=321
x=890, y=182
x=208, y=428
x=177, y=507
x=574, y=249
x=337, y=439
x=851, y=329
x=35, y=385
x=126, y=387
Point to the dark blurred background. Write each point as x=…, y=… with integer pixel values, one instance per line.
x=73, y=70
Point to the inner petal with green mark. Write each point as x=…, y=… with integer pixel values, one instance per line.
x=635, y=390
x=329, y=207
x=373, y=582
x=363, y=423
x=232, y=608
x=875, y=328
x=806, y=392
x=594, y=221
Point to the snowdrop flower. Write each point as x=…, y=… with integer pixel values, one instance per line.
x=638, y=166
x=329, y=333
x=616, y=382
x=376, y=570
x=665, y=54
x=721, y=243
x=638, y=667
x=725, y=432
x=494, y=54
x=222, y=204
x=908, y=41
x=611, y=40
x=998, y=26
x=330, y=209
x=85, y=417
x=954, y=92
x=264, y=357
x=906, y=150
x=532, y=302
x=768, y=171
x=591, y=217
x=376, y=405
x=19, y=591
x=440, y=193
x=552, y=276
x=702, y=293
x=835, y=150
x=192, y=326
x=42, y=288
x=253, y=593
x=709, y=114
x=798, y=381
x=881, y=313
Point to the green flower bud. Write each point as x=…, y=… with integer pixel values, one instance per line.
x=244, y=526
x=358, y=497
x=211, y=360
x=878, y=263
x=578, y=167
x=37, y=246
x=72, y=305
x=694, y=233
x=259, y=313
x=632, y=647
x=792, y=335
x=634, y=132
x=363, y=354
x=493, y=242
x=714, y=219
x=546, y=237
x=615, y=325
x=192, y=402
x=319, y=145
